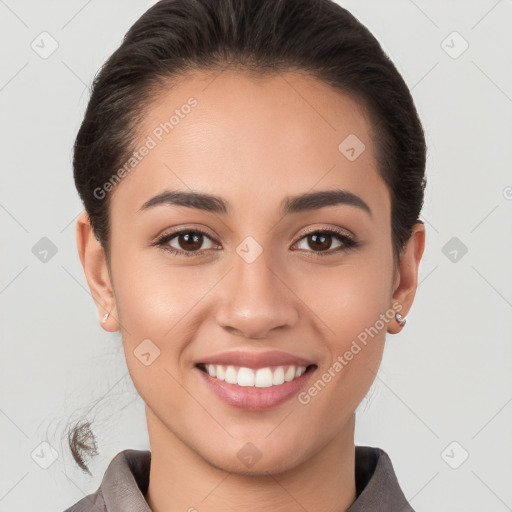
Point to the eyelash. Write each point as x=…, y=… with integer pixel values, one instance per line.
x=348, y=242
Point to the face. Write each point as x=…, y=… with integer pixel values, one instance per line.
x=255, y=270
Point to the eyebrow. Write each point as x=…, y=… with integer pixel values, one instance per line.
x=292, y=204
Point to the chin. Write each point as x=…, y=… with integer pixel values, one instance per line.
x=250, y=461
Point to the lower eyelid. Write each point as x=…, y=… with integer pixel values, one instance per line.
x=166, y=239
x=336, y=237
x=346, y=241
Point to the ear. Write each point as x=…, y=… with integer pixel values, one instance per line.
x=92, y=257
x=406, y=281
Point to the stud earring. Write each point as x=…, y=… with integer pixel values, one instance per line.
x=400, y=319
x=105, y=316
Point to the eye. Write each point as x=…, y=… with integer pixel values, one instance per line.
x=189, y=241
x=322, y=240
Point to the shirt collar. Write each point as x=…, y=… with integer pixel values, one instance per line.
x=126, y=481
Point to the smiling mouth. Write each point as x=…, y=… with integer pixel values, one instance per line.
x=255, y=377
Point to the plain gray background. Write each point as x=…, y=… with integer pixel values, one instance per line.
x=441, y=405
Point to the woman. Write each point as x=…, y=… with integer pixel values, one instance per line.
x=253, y=175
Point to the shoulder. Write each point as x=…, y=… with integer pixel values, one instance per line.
x=123, y=486
x=377, y=487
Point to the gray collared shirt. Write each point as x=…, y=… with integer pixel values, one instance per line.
x=126, y=481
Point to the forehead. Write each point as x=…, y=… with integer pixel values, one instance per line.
x=236, y=135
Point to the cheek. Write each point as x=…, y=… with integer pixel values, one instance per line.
x=353, y=324
x=153, y=297
x=352, y=307
x=153, y=302
x=347, y=299
x=153, y=305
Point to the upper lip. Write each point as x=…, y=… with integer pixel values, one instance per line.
x=256, y=359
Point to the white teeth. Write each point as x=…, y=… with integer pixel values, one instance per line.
x=278, y=376
x=290, y=374
x=263, y=377
x=231, y=375
x=245, y=377
x=260, y=378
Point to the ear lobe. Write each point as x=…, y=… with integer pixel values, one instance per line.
x=407, y=278
x=92, y=258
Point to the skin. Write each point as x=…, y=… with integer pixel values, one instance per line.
x=253, y=142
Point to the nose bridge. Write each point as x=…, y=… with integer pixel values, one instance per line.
x=254, y=300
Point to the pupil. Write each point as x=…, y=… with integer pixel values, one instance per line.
x=191, y=240
x=323, y=237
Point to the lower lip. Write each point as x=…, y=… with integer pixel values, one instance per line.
x=252, y=398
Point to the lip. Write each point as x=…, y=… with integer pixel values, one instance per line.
x=256, y=360
x=254, y=398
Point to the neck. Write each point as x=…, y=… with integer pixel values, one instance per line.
x=181, y=480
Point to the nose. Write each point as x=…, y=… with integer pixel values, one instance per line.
x=255, y=299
